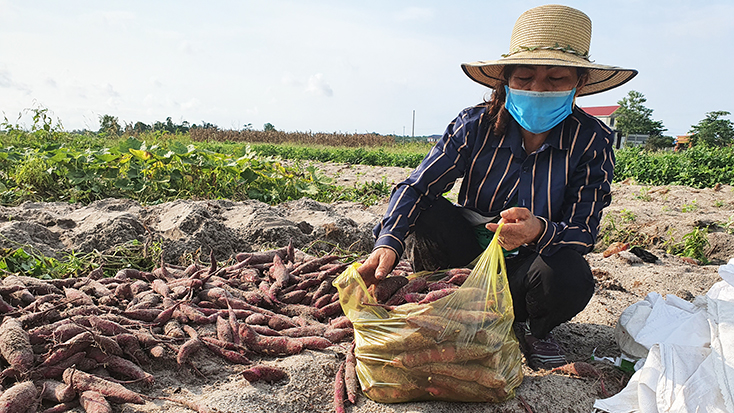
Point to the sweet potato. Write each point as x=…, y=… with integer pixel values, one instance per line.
x=56, y=370
x=121, y=366
x=337, y=335
x=579, y=368
x=280, y=276
x=130, y=346
x=5, y=307
x=314, y=264
x=265, y=330
x=15, y=346
x=442, y=353
x=224, y=330
x=187, y=350
x=285, y=254
x=351, y=381
x=315, y=342
x=257, y=319
x=62, y=407
x=322, y=290
x=457, y=275
x=413, y=286
x=329, y=310
x=293, y=297
x=310, y=330
x=280, y=322
x=437, y=295
x=449, y=388
x=115, y=392
x=229, y=355
x=19, y=398
x=69, y=347
x=383, y=290
x=285, y=346
x=340, y=390
x=467, y=372
x=143, y=314
x=56, y=391
x=77, y=297
x=94, y=402
x=264, y=373
x=341, y=322
x=66, y=331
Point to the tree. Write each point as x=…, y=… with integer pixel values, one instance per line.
x=634, y=118
x=268, y=127
x=109, y=126
x=656, y=142
x=713, y=131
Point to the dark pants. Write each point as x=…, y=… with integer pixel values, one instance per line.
x=547, y=290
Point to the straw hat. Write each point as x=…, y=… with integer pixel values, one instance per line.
x=551, y=35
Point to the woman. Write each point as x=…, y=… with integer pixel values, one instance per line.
x=530, y=159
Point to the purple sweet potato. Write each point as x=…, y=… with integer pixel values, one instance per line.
x=340, y=390
x=337, y=335
x=19, y=398
x=15, y=346
x=69, y=348
x=383, y=290
x=94, y=402
x=57, y=392
x=116, y=393
x=264, y=373
x=413, y=286
x=350, y=375
x=315, y=342
x=224, y=330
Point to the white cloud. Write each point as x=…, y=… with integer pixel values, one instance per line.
x=6, y=81
x=318, y=86
x=289, y=80
x=191, y=104
x=108, y=90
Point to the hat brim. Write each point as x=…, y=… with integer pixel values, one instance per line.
x=601, y=77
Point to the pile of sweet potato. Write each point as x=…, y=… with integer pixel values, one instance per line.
x=430, y=340
x=80, y=341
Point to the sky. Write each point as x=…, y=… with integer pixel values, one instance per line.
x=333, y=66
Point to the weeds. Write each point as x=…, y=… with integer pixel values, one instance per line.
x=693, y=206
x=693, y=245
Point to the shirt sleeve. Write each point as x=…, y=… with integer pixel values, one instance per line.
x=587, y=193
x=436, y=174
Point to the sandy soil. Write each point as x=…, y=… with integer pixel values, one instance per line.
x=649, y=216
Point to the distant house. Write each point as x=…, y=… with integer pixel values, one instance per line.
x=605, y=114
x=608, y=115
x=682, y=142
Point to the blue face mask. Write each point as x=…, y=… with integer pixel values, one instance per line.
x=539, y=112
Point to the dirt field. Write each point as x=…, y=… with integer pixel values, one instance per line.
x=189, y=229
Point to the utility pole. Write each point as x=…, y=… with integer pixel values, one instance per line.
x=412, y=135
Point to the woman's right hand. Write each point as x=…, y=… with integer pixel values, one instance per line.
x=378, y=265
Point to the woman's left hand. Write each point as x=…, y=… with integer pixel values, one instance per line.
x=521, y=227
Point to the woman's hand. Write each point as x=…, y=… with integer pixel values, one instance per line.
x=521, y=227
x=377, y=266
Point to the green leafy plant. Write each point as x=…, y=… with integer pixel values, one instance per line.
x=693, y=245
x=693, y=206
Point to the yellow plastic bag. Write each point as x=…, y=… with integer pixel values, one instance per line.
x=458, y=348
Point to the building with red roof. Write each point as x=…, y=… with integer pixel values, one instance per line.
x=605, y=114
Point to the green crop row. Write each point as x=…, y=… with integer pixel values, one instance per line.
x=699, y=167
x=158, y=172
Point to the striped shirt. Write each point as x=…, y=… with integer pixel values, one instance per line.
x=565, y=183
